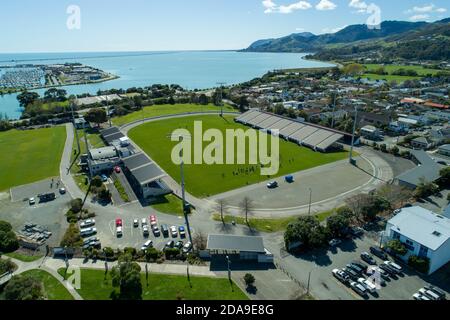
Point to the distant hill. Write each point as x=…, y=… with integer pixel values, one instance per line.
x=306, y=41
x=393, y=39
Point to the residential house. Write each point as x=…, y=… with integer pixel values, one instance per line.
x=444, y=150
x=421, y=143
x=371, y=133
x=427, y=170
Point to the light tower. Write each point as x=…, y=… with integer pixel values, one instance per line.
x=221, y=85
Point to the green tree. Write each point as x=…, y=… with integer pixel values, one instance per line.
x=76, y=205
x=203, y=99
x=8, y=239
x=338, y=224
x=425, y=190
x=72, y=237
x=308, y=231
x=26, y=98
x=397, y=247
x=97, y=116
x=353, y=69
x=127, y=277
x=24, y=288
x=444, y=179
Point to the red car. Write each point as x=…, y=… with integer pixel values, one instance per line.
x=118, y=222
x=117, y=169
x=153, y=220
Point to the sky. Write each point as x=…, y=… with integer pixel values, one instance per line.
x=152, y=25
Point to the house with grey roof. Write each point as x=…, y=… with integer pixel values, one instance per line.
x=444, y=150
x=427, y=170
x=421, y=143
x=424, y=234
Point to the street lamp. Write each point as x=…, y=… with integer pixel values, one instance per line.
x=352, y=161
x=229, y=272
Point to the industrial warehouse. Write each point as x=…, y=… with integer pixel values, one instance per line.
x=307, y=134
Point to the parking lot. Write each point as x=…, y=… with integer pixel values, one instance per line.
x=132, y=236
x=318, y=265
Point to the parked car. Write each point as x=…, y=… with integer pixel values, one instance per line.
x=397, y=269
x=187, y=247
x=361, y=265
x=358, y=288
x=351, y=273
x=144, y=222
x=62, y=191
x=135, y=223
x=341, y=275
x=88, y=232
x=87, y=223
x=117, y=169
x=179, y=245
x=272, y=185
x=387, y=269
x=289, y=178
x=147, y=245
x=365, y=256
x=355, y=268
x=418, y=296
x=378, y=252
x=173, y=231
x=156, y=231
x=356, y=232
x=119, y=231
x=335, y=242
x=165, y=230
x=32, y=201
x=119, y=222
x=170, y=244
x=372, y=288
x=442, y=295
x=145, y=231
x=182, y=232
x=104, y=178
x=383, y=274
x=396, y=212
x=429, y=294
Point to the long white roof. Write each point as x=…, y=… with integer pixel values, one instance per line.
x=422, y=226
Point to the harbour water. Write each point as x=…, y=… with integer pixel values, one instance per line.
x=190, y=69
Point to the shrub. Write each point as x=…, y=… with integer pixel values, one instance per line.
x=249, y=279
x=72, y=217
x=172, y=253
x=76, y=205
x=24, y=288
x=420, y=264
x=8, y=239
x=152, y=254
x=72, y=237
x=397, y=247
x=109, y=252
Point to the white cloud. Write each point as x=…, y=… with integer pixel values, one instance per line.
x=441, y=10
x=326, y=5
x=419, y=17
x=271, y=7
x=358, y=4
x=301, y=5
x=423, y=9
x=300, y=29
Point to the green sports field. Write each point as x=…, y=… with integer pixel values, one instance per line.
x=421, y=71
x=30, y=156
x=206, y=180
x=166, y=109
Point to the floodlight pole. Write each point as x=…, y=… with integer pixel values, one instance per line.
x=334, y=110
x=75, y=127
x=221, y=84
x=183, y=193
x=353, y=135
x=310, y=201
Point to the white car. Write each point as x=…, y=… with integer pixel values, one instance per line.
x=428, y=294
x=145, y=230
x=32, y=201
x=187, y=247
x=62, y=191
x=88, y=232
x=394, y=266
x=119, y=231
x=371, y=287
x=135, y=223
x=87, y=223
x=174, y=231
x=418, y=296
x=147, y=245
x=144, y=222
x=335, y=242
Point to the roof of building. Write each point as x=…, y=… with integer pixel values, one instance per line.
x=109, y=131
x=112, y=137
x=422, y=226
x=423, y=140
x=428, y=170
x=148, y=173
x=235, y=243
x=136, y=161
x=103, y=153
x=445, y=147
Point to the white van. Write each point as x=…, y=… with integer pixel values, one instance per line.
x=147, y=245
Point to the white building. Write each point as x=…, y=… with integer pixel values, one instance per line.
x=423, y=233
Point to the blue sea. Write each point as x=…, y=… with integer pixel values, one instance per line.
x=190, y=69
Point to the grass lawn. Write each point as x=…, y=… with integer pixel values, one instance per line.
x=31, y=155
x=269, y=225
x=421, y=71
x=166, y=109
x=206, y=180
x=54, y=290
x=161, y=287
x=169, y=204
x=23, y=257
